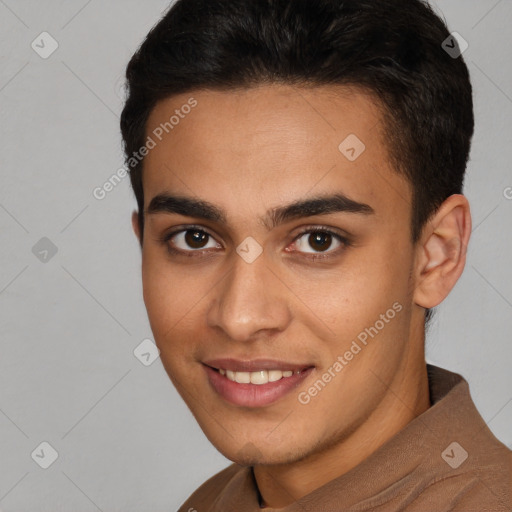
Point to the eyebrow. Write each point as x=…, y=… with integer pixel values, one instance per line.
x=321, y=205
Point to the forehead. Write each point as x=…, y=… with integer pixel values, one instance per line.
x=272, y=144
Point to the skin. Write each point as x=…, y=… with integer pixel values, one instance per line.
x=256, y=149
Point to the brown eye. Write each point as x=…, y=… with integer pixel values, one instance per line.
x=318, y=241
x=196, y=239
x=190, y=240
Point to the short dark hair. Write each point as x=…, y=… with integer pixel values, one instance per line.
x=392, y=48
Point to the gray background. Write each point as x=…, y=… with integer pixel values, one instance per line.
x=69, y=326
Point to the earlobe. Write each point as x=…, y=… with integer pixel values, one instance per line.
x=442, y=251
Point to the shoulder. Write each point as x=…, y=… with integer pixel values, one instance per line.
x=482, y=483
x=488, y=480
x=209, y=491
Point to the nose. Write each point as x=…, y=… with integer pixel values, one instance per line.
x=249, y=302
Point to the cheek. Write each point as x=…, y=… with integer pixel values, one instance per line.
x=170, y=312
x=367, y=301
x=365, y=286
x=381, y=273
x=166, y=299
x=175, y=298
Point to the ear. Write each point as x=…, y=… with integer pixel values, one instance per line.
x=135, y=226
x=441, y=255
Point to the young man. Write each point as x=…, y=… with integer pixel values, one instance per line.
x=298, y=167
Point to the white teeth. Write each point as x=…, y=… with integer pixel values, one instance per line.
x=243, y=377
x=258, y=378
x=274, y=375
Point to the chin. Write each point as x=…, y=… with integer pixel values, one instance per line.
x=254, y=453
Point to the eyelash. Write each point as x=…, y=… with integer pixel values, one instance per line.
x=310, y=229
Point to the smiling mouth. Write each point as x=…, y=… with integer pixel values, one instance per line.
x=258, y=377
x=255, y=383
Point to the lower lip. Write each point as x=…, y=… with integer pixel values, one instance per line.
x=253, y=395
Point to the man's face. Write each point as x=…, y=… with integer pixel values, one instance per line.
x=248, y=153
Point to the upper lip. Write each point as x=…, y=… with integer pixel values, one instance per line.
x=252, y=365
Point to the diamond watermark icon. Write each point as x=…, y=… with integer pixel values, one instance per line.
x=44, y=455
x=44, y=250
x=249, y=250
x=352, y=147
x=44, y=45
x=454, y=455
x=146, y=352
x=455, y=45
